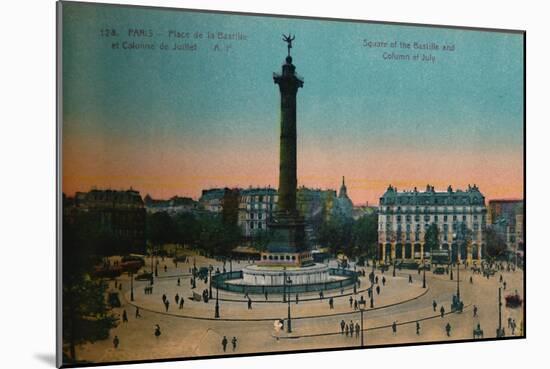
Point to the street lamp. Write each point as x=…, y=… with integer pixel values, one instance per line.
x=394, y=267
x=217, y=308
x=423, y=273
x=210, y=268
x=362, y=340
x=131, y=285
x=289, y=324
x=500, y=330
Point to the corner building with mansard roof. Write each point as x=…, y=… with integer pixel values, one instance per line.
x=404, y=217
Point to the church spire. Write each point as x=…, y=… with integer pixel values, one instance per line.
x=343, y=189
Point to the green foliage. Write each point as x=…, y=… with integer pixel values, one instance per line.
x=336, y=234
x=365, y=235
x=260, y=239
x=495, y=245
x=160, y=228
x=216, y=237
x=86, y=317
x=431, y=238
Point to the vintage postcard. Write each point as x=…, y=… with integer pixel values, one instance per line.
x=236, y=184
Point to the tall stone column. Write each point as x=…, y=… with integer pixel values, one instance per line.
x=288, y=86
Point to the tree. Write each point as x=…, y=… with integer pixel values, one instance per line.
x=86, y=317
x=365, y=235
x=260, y=239
x=160, y=229
x=495, y=245
x=336, y=234
x=431, y=238
x=187, y=229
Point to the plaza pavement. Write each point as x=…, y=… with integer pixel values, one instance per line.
x=192, y=331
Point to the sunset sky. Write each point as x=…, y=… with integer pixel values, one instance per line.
x=176, y=122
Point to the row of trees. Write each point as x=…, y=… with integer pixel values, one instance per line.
x=360, y=237
x=205, y=232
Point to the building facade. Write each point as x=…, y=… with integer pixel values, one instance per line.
x=119, y=213
x=256, y=206
x=506, y=217
x=174, y=205
x=404, y=217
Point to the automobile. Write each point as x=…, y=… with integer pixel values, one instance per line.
x=426, y=266
x=439, y=270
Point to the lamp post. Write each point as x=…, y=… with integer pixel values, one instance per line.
x=217, y=308
x=372, y=292
x=210, y=281
x=394, y=267
x=500, y=331
x=194, y=273
x=152, y=264
x=289, y=323
x=362, y=339
x=131, y=285
x=423, y=273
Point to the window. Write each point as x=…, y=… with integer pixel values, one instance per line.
x=464, y=218
x=444, y=218
x=408, y=218
x=426, y=218
x=293, y=257
x=436, y=218
x=475, y=217
x=399, y=218
x=454, y=218
x=417, y=218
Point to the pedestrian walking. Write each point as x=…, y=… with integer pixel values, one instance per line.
x=378, y=290
x=181, y=303
x=321, y=295
x=116, y=342
x=265, y=294
x=394, y=328
x=417, y=328
x=249, y=304
x=351, y=328
x=475, y=311
x=376, y=280
x=513, y=326
x=355, y=307
x=357, y=329
x=177, y=298
x=178, y=282
x=471, y=280
x=410, y=279
x=509, y=322
x=347, y=330
x=342, y=326
x=442, y=311
x=383, y=281
x=163, y=297
x=331, y=303
x=434, y=304
x=124, y=316
x=157, y=330
x=165, y=268
x=350, y=301
x=224, y=343
x=448, y=329
x=138, y=315
x=296, y=298
x=504, y=284
x=500, y=279
x=234, y=342
x=167, y=304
